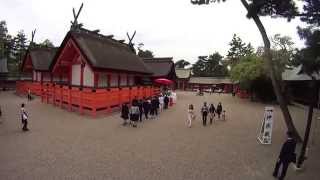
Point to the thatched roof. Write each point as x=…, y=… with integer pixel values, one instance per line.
x=161, y=67
x=210, y=80
x=41, y=57
x=104, y=52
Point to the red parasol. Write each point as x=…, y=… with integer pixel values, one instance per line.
x=163, y=81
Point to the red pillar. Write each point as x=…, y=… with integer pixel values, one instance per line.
x=70, y=76
x=95, y=79
x=81, y=74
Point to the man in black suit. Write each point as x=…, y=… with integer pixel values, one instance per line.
x=287, y=155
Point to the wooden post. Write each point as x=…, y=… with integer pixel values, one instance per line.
x=61, y=95
x=69, y=99
x=81, y=74
x=81, y=102
x=54, y=95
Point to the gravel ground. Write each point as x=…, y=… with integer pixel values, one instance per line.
x=64, y=145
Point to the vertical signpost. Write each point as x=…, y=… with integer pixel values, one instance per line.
x=265, y=133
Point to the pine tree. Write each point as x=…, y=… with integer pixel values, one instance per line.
x=238, y=50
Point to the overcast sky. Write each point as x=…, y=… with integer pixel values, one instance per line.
x=169, y=28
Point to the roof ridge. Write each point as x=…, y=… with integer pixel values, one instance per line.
x=99, y=36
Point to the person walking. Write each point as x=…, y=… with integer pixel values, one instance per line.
x=211, y=113
x=161, y=103
x=191, y=115
x=287, y=155
x=153, y=107
x=157, y=105
x=29, y=95
x=134, y=114
x=219, y=110
x=146, y=108
x=125, y=113
x=140, y=105
x=166, y=102
x=24, y=118
x=204, y=111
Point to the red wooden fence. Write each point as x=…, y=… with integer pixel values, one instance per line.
x=87, y=98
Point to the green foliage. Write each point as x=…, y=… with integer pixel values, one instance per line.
x=209, y=66
x=309, y=57
x=282, y=53
x=5, y=40
x=145, y=53
x=199, y=67
x=311, y=9
x=238, y=50
x=248, y=69
x=46, y=43
x=181, y=63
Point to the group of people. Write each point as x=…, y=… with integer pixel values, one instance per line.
x=205, y=111
x=147, y=107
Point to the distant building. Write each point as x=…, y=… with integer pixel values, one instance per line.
x=183, y=76
x=161, y=67
x=297, y=85
x=36, y=64
x=223, y=83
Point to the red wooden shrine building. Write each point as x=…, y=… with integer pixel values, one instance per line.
x=91, y=71
x=35, y=68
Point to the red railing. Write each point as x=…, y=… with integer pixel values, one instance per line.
x=87, y=98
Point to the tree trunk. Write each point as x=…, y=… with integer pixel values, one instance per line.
x=276, y=85
x=314, y=91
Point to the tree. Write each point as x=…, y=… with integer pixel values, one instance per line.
x=309, y=59
x=255, y=9
x=46, y=43
x=282, y=53
x=210, y=66
x=238, y=50
x=5, y=41
x=215, y=67
x=145, y=53
x=181, y=64
x=198, y=69
x=20, y=47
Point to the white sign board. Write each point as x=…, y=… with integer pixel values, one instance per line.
x=265, y=132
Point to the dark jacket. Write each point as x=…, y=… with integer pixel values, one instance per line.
x=146, y=106
x=219, y=109
x=287, y=153
x=125, y=112
x=154, y=104
x=140, y=105
x=166, y=99
x=212, y=109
